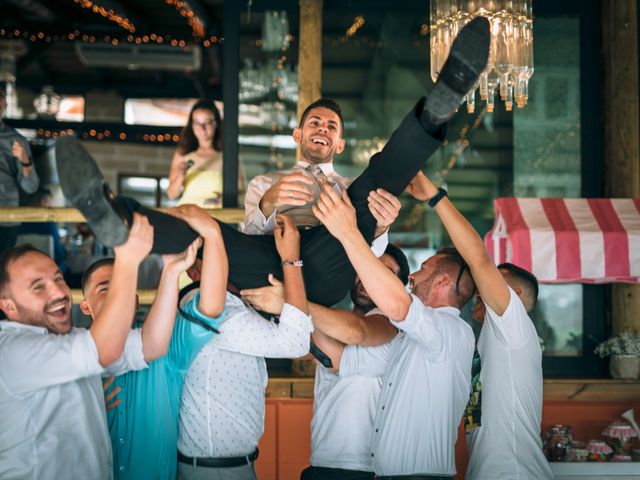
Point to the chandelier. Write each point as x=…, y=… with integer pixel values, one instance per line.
x=510, y=63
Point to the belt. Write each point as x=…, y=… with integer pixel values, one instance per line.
x=220, y=462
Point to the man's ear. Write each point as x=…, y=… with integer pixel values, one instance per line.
x=84, y=308
x=9, y=307
x=297, y=135
x=340, y=146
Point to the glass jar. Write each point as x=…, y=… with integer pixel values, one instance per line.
x=577, y=452
x=556, y=440
x=598, y=451
x=619, y=435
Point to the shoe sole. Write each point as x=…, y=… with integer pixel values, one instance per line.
x=467, y=60
x=84, y=186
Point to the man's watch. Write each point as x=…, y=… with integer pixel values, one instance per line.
x=25, y=165
x=433, y=201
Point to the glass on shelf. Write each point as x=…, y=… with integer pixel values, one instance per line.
x=556, y=441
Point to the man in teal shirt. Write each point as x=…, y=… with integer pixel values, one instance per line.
x=144, y=426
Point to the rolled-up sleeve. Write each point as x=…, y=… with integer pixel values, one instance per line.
x=132, y=358
x=255, y=223
x=379, y=245
x=365, y=361
x=31, y=362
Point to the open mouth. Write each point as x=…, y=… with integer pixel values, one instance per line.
x=60, y=310
x=319, y=141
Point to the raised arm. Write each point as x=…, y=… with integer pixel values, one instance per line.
x=158, y=326
x=384, y=288
x=334, y=328
x=215, y=265
x=176, y=175
x=490, y=283
x=288, y=245
x=111, y=326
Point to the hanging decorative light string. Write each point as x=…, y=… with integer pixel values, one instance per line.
x=510, y=63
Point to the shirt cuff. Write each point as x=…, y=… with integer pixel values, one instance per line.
x=294, y=316
x=191, y=307
x=379, y=245
x=133, y=353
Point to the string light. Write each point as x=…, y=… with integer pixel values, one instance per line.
x=160, y=138
x=75, y=36
x=109, y=14
x=193, y=20
x=358, y=23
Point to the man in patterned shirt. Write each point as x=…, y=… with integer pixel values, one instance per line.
x=223, y=403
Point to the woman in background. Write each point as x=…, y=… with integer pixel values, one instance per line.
x=196, y=168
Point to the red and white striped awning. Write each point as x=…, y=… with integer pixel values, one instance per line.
x=563, y=240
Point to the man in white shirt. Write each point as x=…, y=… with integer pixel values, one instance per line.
x=506, y=444
x=345, y=393
x=223, y=402
x=427, y=380
x=52, y=413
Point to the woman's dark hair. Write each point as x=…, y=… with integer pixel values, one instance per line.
x=188, y=141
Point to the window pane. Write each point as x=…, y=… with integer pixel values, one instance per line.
x=558, y=319
x=158, y=111
x=142, y=189
x=71, y=109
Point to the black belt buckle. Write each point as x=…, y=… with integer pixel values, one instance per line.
x=222, y=462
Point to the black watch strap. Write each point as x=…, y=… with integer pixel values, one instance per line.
x=433, y=201
x=25, y=165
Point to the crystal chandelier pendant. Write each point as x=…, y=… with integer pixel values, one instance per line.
x=510, y=64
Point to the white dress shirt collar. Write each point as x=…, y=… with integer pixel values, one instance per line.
x=9, y=325
x=327, y=168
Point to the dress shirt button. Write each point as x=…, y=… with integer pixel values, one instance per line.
x=122, y=468
x=377, y=430
x=383, y=407
x=389, y=383
x=121, y=441
x=372, y=455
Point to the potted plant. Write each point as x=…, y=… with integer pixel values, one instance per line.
x=625, y=355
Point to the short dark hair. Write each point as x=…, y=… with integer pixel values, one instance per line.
x=327, y=103
x=525, y=279
x=86, y=276
x=401, y=259
x=11, y=255
x=452, y=263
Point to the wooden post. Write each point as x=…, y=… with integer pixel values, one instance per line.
x=622, y=132
x=309, y=89
x=309, y=54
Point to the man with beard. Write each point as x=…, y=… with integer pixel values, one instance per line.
x=506, y=444
x=345, y=393
x=293, y=191
x=428, y=375
x=52, y=414
x=328, y=275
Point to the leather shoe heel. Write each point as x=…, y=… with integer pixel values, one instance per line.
x=84, y=186
x=467, y=59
